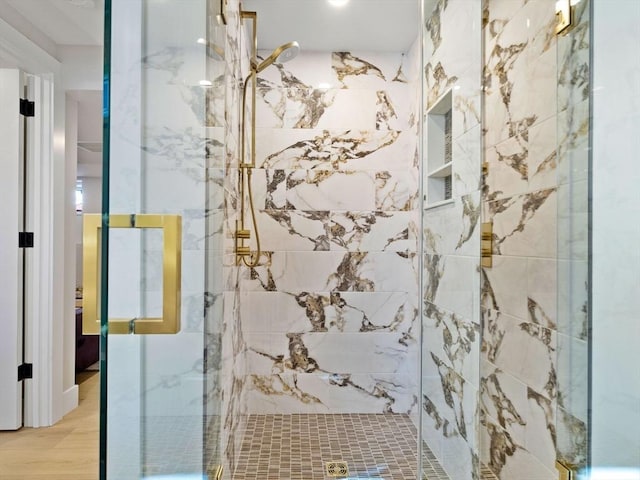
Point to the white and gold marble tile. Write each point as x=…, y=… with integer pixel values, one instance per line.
x=573, y=295
x=367, y=70
x=524, y=350
x=572, y=383
x=373, y=231
x=453, y=339
x=466, y=149
x=280, y=148
x=573, y=143
x=463, y=238
x=396, y=190
x=308, y=68
x=329, y=393
x=332, y=190
x=542, y=292
x=524, y=225
x=297, y=230
x=450, y=282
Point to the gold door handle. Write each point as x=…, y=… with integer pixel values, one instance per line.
x=171, y=226
x=486, y=244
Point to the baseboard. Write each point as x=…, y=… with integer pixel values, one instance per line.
x=70, y=399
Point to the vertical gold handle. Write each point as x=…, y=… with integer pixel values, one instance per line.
x=486, y=244
x=171, y=226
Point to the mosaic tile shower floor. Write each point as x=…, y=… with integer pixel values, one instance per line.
x=297, y=447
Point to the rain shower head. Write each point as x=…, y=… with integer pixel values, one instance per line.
x=282, y=54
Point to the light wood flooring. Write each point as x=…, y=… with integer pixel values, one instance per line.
x=66, y=451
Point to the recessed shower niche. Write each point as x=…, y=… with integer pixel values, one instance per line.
x=439, y=153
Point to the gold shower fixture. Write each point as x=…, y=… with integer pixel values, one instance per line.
x=565, y=15
x=282, y=54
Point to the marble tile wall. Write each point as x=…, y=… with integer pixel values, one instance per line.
x=330, y=317
x=451, y=242
x=533, y=299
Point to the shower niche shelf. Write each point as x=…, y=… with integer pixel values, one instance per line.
x=439, y=153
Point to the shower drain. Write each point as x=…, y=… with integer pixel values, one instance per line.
x=337, y=469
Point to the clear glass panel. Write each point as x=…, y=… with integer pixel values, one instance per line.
x=535, y=88
x=615, y=237
x=162, y=410
x=324, y=332
x=573, y=126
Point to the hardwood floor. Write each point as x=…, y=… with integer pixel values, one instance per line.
x=66, y=451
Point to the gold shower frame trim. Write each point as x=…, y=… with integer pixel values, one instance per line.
x=169, y=323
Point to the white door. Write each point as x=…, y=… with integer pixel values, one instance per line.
x=13, y=257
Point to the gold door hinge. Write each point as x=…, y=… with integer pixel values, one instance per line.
x=486, y=244
x=564, y=14
x=215, y=473
x=564, y=472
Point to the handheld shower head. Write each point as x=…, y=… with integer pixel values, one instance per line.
x=282, y=54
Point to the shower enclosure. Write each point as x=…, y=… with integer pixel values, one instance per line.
x=418, y=304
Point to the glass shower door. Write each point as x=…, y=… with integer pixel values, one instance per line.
x=573, y=125
x=155, y=275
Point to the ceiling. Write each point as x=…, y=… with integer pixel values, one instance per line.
x=360, y=25
x=64, y=22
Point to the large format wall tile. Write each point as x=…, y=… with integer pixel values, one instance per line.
x=330, y=316
x=336, y=205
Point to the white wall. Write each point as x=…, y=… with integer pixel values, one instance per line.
x=81, y=67
x=81, y=70
x=616, y=235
